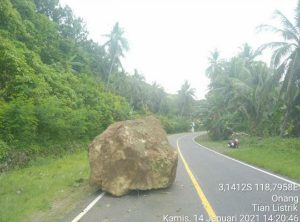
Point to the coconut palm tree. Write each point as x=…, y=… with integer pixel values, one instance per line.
x=185, y=98
x=215, y=65
x=241, y=96
x=116, y=45
x=286, y=60
x=157, y=97
x=138, y=91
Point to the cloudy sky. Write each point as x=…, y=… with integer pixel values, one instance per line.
x=170, y=40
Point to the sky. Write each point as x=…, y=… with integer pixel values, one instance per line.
x=170, y=40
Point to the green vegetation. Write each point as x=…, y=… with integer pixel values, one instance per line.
x=243, y=96
x=286, y=62
x=274, y=153
x=59, y=88
x=246, y=95
x=45, y=189
x=49, y=96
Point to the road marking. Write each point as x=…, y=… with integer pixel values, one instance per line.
x=245, y=164
x=79, y=216
x=211, y=213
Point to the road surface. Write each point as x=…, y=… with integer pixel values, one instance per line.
x=208, y=187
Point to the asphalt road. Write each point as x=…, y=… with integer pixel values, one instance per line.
x=208, y=187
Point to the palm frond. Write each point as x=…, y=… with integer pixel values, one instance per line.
x=124, y=43
x=240, y=85
x=286, y=22
x=297, y=17
x=279, y=54
x=285, y=33
x=288, y=76
x=106, y=43
x=256, y=53
x=292, y=87
x=272, y=45
x=282, y=69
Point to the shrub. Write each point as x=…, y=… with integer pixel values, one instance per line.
x=18, y=122
x=175, y=124
x=4, y=149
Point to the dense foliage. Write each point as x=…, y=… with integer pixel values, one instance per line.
x=242, y=96
x=57, y=87
x=47, y=85
x=245, y=95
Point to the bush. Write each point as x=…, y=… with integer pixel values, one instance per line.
x=18, y=122
x=219, y=127
x=4, y=149
x=175, y=124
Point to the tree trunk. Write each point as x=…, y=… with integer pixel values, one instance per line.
x=182, y=109
x=110, y=70
x=285, y=122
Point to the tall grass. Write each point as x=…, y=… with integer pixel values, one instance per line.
x=45, y=189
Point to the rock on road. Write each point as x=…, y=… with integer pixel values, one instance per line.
x=222, y=188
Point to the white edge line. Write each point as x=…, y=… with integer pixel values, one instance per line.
x=79, y=216
x=245, y=164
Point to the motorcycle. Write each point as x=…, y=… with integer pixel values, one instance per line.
x=234, y=143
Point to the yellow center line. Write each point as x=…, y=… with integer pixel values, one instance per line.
x=211, y=213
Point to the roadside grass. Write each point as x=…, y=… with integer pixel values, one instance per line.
x=44, y=190
x=281, y=156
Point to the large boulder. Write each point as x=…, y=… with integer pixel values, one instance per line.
x=132, y=155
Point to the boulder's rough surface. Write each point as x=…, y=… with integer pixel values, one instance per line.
x=132, y=155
